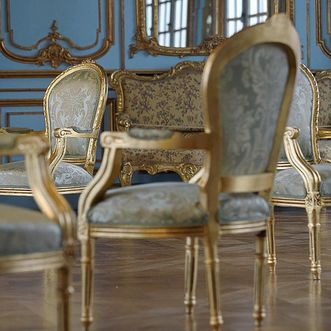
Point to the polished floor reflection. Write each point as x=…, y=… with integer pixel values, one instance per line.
x=139, y=286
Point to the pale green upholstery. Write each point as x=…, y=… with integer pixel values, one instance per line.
x=238, y=207
x=14, y=175
x=24, y=231
x=73, y=102
x=301, y=115
x=324, y=116
x=251, y=91
x=172, y=204
x=289, y=183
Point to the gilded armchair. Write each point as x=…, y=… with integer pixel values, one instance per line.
x=235, y=171
x=170, y=101
x=323, y=79
x=304, y=178
x=35, y=241
x=73, y=105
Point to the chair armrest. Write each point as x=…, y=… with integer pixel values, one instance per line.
x=155, y=139
x=61, y=135
x=310, y=176
x=115, y=142
x=15, y=130
x=51, y=203
x=324, y=133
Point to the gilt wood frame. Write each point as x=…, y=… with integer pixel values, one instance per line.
x=185, y=170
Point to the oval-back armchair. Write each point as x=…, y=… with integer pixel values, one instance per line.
x=74, y=105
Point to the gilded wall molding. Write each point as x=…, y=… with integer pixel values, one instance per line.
x=150, y=44
x=55, y=48
x=319, y=26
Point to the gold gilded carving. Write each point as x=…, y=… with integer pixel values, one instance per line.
x=150, y=44
x=54, y=52
x=319, y=29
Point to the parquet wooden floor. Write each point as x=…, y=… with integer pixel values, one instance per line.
x=139, y=286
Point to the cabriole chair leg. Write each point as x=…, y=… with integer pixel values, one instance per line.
x=259, y=311
x=191, y=272
x=212, y=270
x=87, y=263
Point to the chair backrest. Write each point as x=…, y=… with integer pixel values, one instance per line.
x=304, y=115
x=248, y=85
x=323, y=79
x=77, y=98
x=170, y=100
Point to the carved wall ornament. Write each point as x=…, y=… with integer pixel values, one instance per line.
x=56, y=48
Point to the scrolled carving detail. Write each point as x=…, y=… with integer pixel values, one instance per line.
x=313, y=200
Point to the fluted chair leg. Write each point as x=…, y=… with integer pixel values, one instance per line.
x=313, y=213
x=191, y=273
x=212, y=270
x=272, y=259
x=64, y=291
x=87, y=263
x=259, y=311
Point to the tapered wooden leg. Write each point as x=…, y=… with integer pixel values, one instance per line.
x=64, y=292
x=259, y=311
x=212, y=269
x=313, y=208
x=87, y=263
x=272, y=260
x=191, y=272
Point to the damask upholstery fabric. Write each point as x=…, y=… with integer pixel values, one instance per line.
x=25, y=231
x=301, y=115
x=242, y=207
x=324, y=118
x=171, y=204
x=289, y=184
x=14, y=175
x=171, y=103
x=251, y=92
x=73, y=102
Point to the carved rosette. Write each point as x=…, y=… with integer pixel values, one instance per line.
x=313, y=200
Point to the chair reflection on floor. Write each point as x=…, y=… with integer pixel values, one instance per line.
x=35, y=241
x=247, y=91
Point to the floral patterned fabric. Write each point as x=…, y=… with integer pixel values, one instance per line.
x=324, y=119
x=73, y=102
x=251, y=89
x=24, y=231
x=172, y=205
x=14, y=175
x=301, y=114
x=289, y=184
x=171, y=103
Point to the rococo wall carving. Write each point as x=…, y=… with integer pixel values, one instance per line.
x=55, y=47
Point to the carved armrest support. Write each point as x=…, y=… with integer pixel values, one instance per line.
x=51, y=203
x=61, y=135
x=310, y=176
x=123, y=121
x=324, y=133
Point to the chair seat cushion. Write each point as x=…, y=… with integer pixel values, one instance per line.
x=14, y=175
x=24, y=231
x=171, y=205
x=289, y=183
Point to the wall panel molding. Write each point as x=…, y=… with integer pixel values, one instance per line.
x=323, y=17
x=54, y=47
